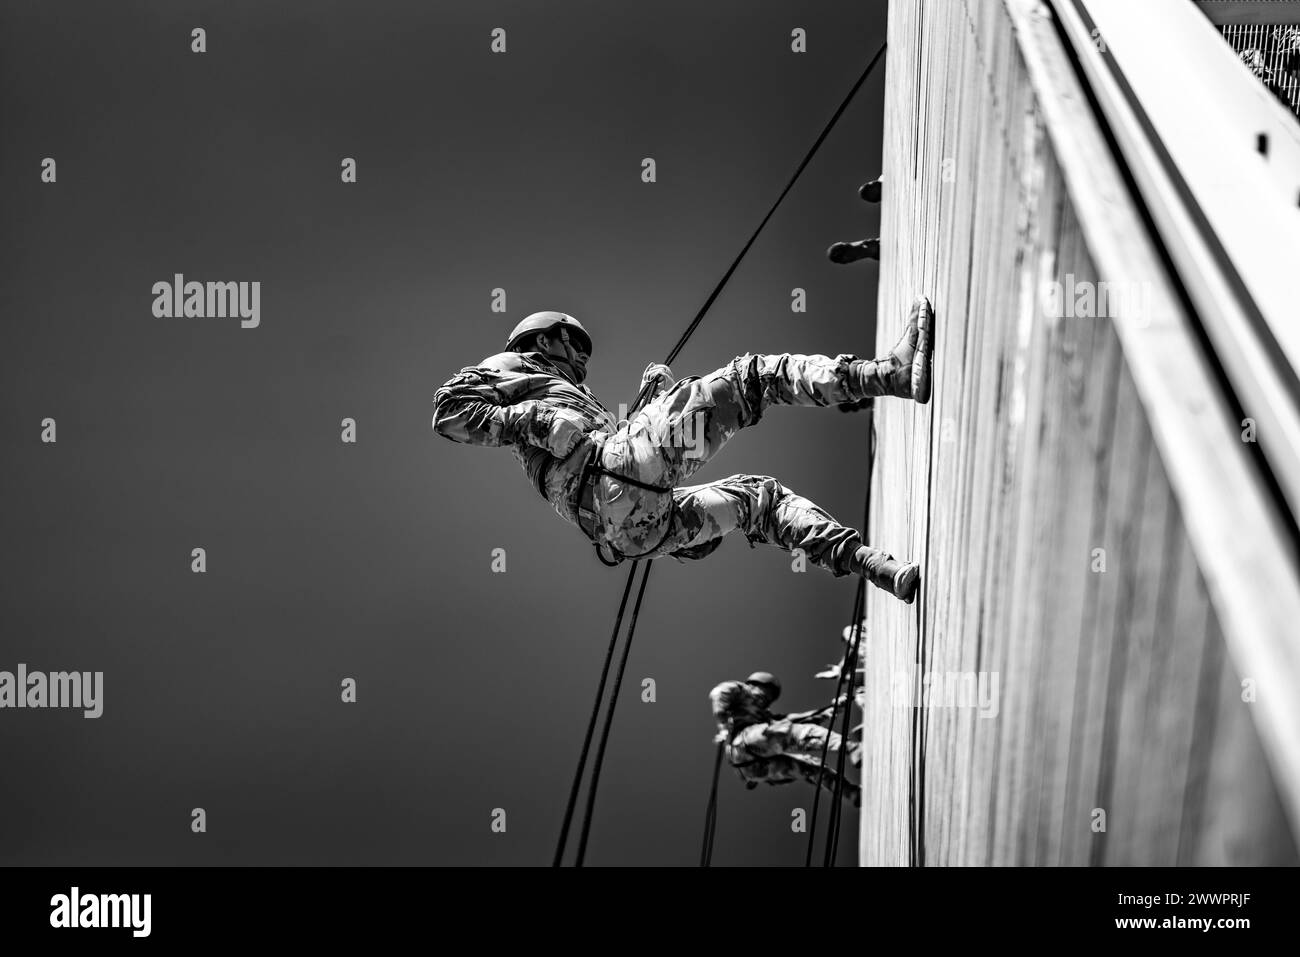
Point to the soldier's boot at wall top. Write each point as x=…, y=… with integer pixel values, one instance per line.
x=886, y=572
x=905, y=372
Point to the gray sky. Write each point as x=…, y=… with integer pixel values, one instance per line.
x=372, y=560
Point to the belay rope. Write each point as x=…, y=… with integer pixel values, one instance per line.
x=609, y=655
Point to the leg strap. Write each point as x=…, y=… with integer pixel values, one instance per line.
x=588, y=472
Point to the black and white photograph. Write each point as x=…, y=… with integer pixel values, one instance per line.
x=776, y=434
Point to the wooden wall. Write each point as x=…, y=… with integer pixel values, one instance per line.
x=1034, y=463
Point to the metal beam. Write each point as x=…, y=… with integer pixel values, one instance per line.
x=1223, y=12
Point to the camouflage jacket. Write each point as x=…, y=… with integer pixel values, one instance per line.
x=510, y=399
x=754, y=735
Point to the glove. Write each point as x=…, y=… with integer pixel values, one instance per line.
x=660, y=375
x=566, y=431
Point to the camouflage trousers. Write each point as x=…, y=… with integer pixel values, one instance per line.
x=783, y=751
x=669, y=439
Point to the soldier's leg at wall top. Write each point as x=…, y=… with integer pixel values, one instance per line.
x=697, y=417
x=767, y=513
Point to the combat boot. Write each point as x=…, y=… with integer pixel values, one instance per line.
x=905, y=372
x=886, y=572
x=844, y=253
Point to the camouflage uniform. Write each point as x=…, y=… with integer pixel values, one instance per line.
x=508, y=400
x=774, y=748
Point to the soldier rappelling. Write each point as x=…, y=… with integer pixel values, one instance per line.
x=771, y=748
x=622, y=484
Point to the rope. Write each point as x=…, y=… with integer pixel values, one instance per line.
x=859, y=595
x=609, y=720
x=640, y=399
x=837, y=808
x=591, y=728
x=834, y=836
x=711, y=813
x=849, y=670
x=718, y=289
x=917, y=806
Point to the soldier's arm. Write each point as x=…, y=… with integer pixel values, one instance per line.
x=480, y=405
x=808, y=741
x=814, y=717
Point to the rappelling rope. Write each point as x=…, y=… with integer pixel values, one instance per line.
x=837, y=807
x=859, y=595
x=834, y=836
x=848, y=669
x=609, y=721
x=711, y=813
x=641, y=397
x=591, y=729
x=916, y=802
x=825, y=132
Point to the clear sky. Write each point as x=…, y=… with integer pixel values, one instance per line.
x=372, y=560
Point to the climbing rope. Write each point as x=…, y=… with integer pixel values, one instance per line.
x=609, y=720
x=858, y=603
x=848, y=671
x=837, y=809
x=916, y=774
x=825, y=132
x=640, y=399
x=711, y=813
x=591, y=729
x=834, y=836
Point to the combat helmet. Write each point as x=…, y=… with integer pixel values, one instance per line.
x=545, y=321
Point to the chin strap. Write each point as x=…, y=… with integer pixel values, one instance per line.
x=570, y=354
